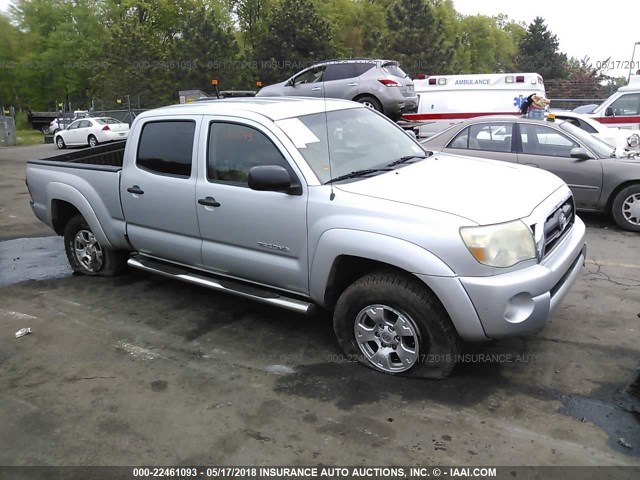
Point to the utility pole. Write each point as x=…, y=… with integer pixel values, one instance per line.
x=631, y=65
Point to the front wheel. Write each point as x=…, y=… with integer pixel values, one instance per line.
x=626, y=208
x=86, y=255
x=392, y=323
x=60, y=143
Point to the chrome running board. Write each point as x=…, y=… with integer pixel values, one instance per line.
x=257, y=293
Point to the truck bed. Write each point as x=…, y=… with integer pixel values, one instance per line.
x=103, y=157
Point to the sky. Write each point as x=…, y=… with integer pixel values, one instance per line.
x=598, y=30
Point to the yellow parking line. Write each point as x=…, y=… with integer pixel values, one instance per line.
x=612, y=264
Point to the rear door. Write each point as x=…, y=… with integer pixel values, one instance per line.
x=157, y=189
x=341, y=81
x=247, y=234
x=547, y=148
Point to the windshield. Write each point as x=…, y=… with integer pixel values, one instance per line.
x=599, y=147
x=358, y=139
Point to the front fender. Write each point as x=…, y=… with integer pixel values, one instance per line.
x=373, y=246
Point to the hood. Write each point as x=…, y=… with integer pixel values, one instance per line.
x=483, y=191
x=275, y=90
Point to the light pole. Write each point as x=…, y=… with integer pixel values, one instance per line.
x=633, y=55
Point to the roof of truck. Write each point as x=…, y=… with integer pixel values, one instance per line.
x=274, y=108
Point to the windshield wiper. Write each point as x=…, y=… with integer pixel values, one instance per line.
x=406, y=159
x=358, y=173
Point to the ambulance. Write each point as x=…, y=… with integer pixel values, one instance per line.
x=622, y=109
x=445, y=100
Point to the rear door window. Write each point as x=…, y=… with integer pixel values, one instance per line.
x=166, y=147
x=339, y=71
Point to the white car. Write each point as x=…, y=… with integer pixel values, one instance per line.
x=617, y=137
x=91, y=132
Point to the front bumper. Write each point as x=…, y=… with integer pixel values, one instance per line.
x=520, y=302
x=514, y=303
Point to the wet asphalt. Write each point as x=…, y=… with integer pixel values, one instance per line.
x=140, y=369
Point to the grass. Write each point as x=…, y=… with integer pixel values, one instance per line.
x=29, y=137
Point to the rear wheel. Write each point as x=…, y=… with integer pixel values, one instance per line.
x=371, y=102
x=86, y=255
x=60, y=143
x=626, y=208
x=392, y=323
x=92, y=140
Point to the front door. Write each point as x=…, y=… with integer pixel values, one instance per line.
x=306, y=84
x=252, y=235
x=158, y=190
x=544, y=147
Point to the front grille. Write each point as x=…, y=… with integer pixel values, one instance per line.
x=557, y=225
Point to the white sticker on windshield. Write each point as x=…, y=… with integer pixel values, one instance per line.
x=298, y=132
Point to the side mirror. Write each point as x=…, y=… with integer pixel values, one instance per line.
x=608, y=112
x=272, y=178
x=580, y=153
x=411, y=133
x=290, y=83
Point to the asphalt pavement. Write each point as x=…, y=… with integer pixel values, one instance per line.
x=140, y=369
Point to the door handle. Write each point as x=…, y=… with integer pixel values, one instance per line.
x=135, y=189
x=208, y=202
x=352, y=85
x=316, y=89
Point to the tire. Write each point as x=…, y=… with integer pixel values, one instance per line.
x=370, y=102
x=92, y=141
x=98, y=260
x=430, y=345
x=60, y=143
x=626, y=208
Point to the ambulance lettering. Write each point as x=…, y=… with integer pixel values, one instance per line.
x=481, y=81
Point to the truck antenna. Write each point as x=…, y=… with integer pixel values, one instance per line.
x=326, y=126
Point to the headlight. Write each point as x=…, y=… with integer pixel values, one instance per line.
x=501, y=245
x=633, y=140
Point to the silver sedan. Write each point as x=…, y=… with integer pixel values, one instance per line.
x=601, y=177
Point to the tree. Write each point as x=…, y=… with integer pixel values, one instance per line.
x=538, y=52
x=296, y=37
x=485, y=46
x=423, y=35
x=205, y=50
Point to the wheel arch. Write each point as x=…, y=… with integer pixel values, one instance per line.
x=616, y=191
x=343, y=255
x=65, y=202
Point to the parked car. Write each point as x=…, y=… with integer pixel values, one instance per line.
x=618, y=137
x=601, y=177
x=91, y=132
x=379, y=84
x=589, y=108
x=62, y=122
x=307, y=203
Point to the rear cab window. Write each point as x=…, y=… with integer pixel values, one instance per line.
x=166, y=147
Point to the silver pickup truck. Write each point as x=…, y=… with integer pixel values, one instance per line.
x=312, y=203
